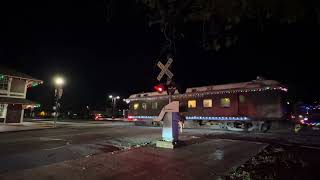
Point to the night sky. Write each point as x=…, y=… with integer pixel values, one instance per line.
x=100, y=57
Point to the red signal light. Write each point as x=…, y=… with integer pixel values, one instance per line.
x=159, y=88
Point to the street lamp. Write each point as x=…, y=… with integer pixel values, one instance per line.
x=58, y=83
x=114, y=100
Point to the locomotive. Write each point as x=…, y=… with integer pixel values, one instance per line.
x=245, y=106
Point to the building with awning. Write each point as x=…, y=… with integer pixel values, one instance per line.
x=13, y=90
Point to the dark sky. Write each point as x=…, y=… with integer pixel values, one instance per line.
x=98, y=57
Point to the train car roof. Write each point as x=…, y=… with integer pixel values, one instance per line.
x=231, y=86
x=255, y=85
x=147, y=94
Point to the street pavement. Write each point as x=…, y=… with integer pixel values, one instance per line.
x=39, y=124
x=212, y=159
x=120, y=150
x=28, y=149
x=25, y=126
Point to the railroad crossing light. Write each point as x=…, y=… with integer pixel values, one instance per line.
x=159, y=88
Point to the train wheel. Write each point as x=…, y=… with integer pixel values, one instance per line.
x=265, y=127
x=200, y=122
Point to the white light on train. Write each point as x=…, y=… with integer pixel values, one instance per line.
x=127, y=101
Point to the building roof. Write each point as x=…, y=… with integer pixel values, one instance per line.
x=12, y=73
x=7, y=100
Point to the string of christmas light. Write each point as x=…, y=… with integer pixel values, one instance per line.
x=201, y=94
x=33, y=84
x=211, y=118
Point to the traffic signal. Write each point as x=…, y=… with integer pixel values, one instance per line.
x=159, y=88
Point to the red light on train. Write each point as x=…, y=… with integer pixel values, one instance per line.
x=159, y=88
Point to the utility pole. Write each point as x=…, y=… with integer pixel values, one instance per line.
x=59, y=82
x=114, y=101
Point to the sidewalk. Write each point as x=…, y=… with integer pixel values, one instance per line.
x=25, y=126
x=211, y=159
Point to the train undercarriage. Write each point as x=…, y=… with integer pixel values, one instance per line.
x=239, y=126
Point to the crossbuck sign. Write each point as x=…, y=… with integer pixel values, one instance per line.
x=165, y=69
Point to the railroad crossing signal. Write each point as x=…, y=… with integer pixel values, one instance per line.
x=165, y=69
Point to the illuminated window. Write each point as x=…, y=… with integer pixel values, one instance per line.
x=136, y=106
x=225, y=102
x=3, y=109
x=154, y=105
x=4, y=81
x=242, y=99
x=207, y=103
x=192, y=104
x=144, y=106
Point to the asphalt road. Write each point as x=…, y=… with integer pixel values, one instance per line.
x=211, y=159
x=76, y=141
x=29, y=149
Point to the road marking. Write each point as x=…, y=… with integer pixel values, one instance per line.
x=50, y=139
x=50, y=149
x=311, y=147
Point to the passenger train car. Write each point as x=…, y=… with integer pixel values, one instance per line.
x=247, y=105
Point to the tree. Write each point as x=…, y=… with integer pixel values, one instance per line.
x=220, y=20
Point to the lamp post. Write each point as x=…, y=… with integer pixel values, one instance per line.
x=58, y=82
x=114, y=100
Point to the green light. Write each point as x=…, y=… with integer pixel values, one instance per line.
x=1, y=77
x=37, y=106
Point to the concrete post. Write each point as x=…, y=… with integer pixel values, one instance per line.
x=170, y=129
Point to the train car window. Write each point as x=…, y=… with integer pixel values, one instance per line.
x=2, y=110
x=192, y=104
x=225, y=102
x=136, y=106
x=242, y=99
x=4, y=82
x=154, y=105
x=144, y=106
x=207, y=103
